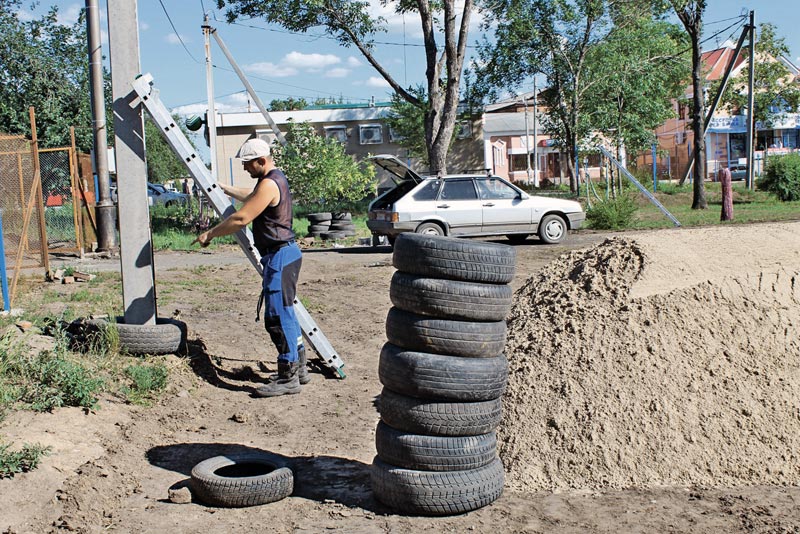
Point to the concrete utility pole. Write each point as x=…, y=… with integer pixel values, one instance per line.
x=211, y=115
x=527, y=141
x=136, y=254
x=106, y=213
x=751, y=103
x=535, y=154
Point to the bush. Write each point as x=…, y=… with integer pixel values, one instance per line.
x=146, y=381
x=782, y=177
x=13, y=462
x=612, y=214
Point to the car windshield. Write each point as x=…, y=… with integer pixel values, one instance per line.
x=158, y=188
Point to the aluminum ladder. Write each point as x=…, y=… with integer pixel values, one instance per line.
x=149, y=98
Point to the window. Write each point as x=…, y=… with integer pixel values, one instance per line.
x=499, y=153
x=336, y=132
x=394, y=136
x=464, y=129
x=680, y=137
x=370, y=134
x=519, y=162
x=459, y=189
x=428, y=191
x=492, y=188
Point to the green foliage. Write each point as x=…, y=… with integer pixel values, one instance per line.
x=407, y=120
x=670, y=188
x=22, y=461
x=782, y=177
x=288, y=104
x=145, y=381
x=319, y=170
x=612, y=214
x=162, y=163
x=43, y=64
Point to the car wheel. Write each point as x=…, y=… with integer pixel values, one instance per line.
x=517, y=239
x=430, y=229
x=552, y=229
x=169, y=204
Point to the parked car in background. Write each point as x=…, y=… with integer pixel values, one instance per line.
x=158, y=194
x=738, y=172
x=466, y=205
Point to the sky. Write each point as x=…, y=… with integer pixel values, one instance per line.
x=311, y=66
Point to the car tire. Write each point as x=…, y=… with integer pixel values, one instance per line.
x=450, y=299
x=341, y=216
x=439, y=418
x=319, y=227
x=454, y=258
x=517, y=239
x=440, y=377
x=430, y=229
x=469, y=339
x=221, y=481
x=167, y=336
x=434, y=453
x=316, y=218
x=552, y=229
x=434, y=492
x=328, y=236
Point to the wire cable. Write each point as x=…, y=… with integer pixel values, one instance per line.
x=178, y=35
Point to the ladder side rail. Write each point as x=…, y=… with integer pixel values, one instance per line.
x=641, y=188
x=224, y=207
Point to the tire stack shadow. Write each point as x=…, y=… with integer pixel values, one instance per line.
x=443, y=372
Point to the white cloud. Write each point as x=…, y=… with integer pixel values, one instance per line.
x=299, y=60
x=69, y=16
x=375, y=81
x=24, y=15
x=337, y=72
x=173, y=38
x=271, y=69
x=397, y=24
x=353, y=61
x=143, y=26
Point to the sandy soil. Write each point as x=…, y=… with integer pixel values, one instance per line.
x=112, y=468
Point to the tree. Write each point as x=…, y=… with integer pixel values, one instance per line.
x=45, y=65
x=690, y=13
x=288, y=104
x=407, y=121
x=774, y=94
x=162, y=163
x=637, y=72
x=319, y=170
x=349, y=23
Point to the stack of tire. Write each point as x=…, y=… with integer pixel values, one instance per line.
x=331, y=226
x=443, y=372
x=318, y=223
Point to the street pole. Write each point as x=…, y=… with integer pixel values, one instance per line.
x=527, y=141
x=211, y=116
x=535, y=155
x=106, y=212
x=751, y=102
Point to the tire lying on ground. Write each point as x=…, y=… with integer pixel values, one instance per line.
x=450, y=299
x=434, y=453
x=470, y=339
x=316, y=228
x=454, y=258
x=238, y=480
x=332, y=235
x=435, y=492
x=167, y=336
x=439, y=418
x=317, y=218
x=442, y=377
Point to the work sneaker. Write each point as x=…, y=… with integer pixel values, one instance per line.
x=286, y=383
x=303, y=373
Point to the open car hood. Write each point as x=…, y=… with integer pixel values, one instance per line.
x=399, y=171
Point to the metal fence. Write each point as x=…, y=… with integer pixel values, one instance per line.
x=61, y=211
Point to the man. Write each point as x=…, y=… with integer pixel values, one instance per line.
x=269, y=207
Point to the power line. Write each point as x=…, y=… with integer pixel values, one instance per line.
x=178, y=35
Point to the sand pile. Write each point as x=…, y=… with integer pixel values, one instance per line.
x=698, y=386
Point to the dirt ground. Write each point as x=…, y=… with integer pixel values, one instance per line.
x=111, y=469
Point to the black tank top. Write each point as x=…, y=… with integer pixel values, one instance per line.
x=273, y=226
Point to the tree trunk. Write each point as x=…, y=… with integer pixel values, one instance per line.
x=699, y=199
x=724, y=177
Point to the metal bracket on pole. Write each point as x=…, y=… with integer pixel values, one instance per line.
x=148, y=95
x=641, y=188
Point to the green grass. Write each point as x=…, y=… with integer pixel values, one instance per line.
x=22, y=461
x=748, y=206
x=145, y=382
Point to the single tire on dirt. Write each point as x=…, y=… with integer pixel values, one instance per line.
x=238, y=480
x=438, y=377
x=470, y=339
x=167, y=336
x=439, y=418
x=317, y=218
x=450, y=299
x=553, y=229
x=454, y=258
x=328, y=236
x=434, y=492
x=434, y=453
x=318, y=228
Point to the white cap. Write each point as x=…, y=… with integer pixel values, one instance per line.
x=253, y=149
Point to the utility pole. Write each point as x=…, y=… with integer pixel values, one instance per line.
x=751, y=103
x=211, y=116
x=106, y=212
x=527, y=141
x=535, y=156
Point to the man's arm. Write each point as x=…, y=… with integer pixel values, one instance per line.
x=265, y=194
x=238, y=193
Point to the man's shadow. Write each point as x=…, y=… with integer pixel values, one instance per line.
x=318, y=478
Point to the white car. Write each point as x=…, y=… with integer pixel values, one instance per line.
x=158, y=194
x=466, y=205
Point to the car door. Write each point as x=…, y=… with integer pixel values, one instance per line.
x=503, y=209
x=459, y=205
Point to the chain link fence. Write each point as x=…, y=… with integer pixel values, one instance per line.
x=61, y=211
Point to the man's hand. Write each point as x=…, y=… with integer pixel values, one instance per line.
x=204, y=239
